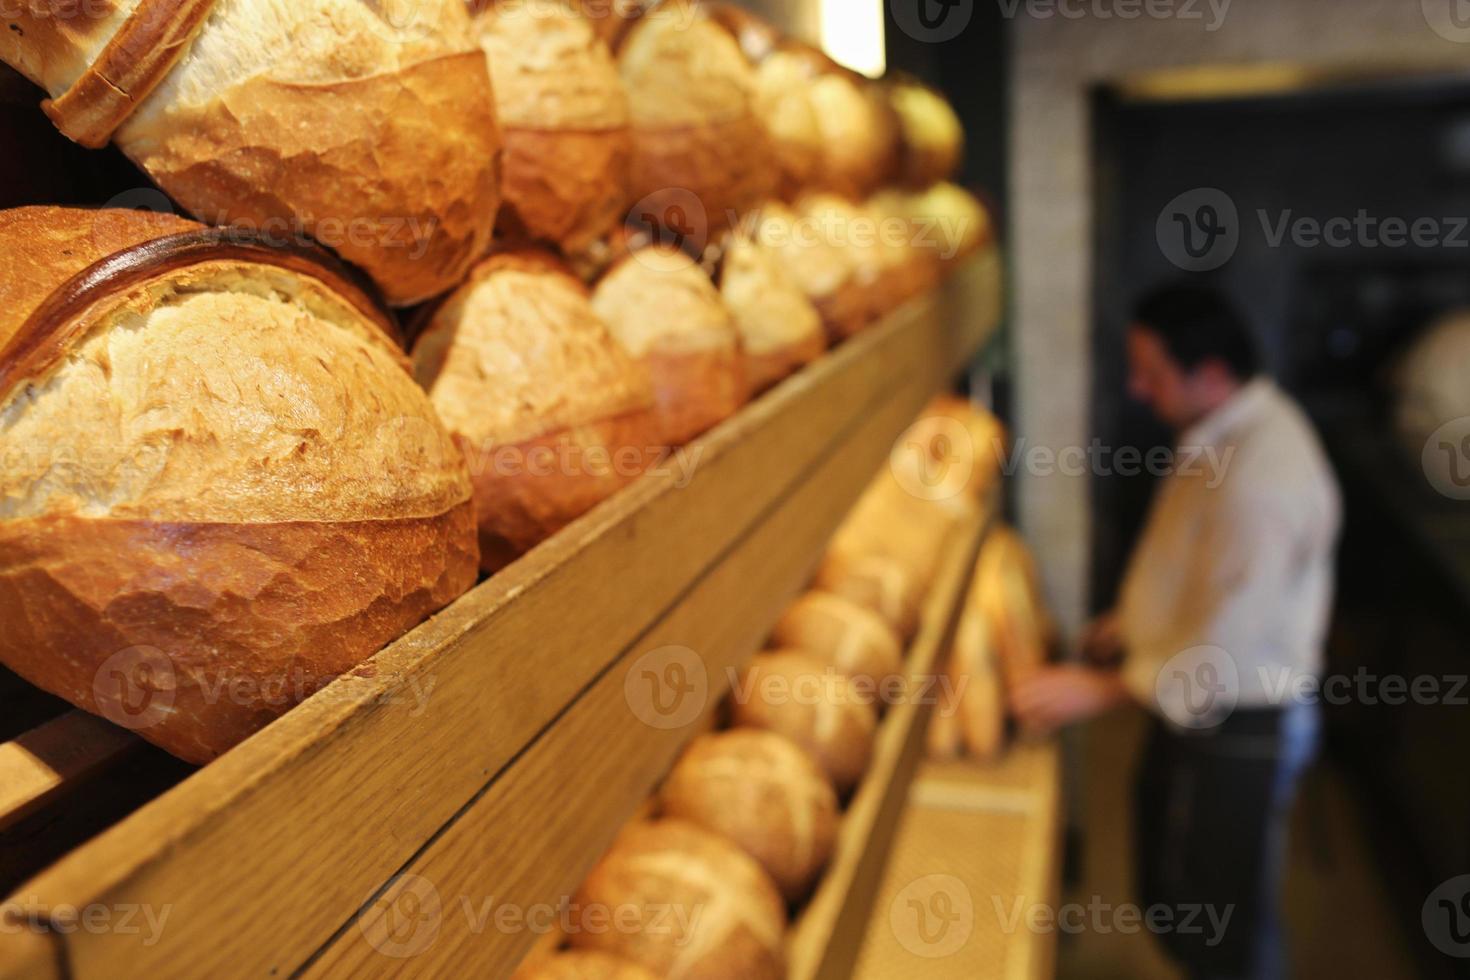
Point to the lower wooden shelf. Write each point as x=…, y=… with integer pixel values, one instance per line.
x=490, y=755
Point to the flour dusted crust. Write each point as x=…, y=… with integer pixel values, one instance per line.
x=564, y=120
x=228, y=467
x=656, y=867
x=551, y=413
x=780, y=330
x=761, y=791
x=665, y=312
x=369, y=126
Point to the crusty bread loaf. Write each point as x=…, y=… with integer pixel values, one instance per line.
x=667, y=314
x=574, y=964
x=368, y=126
x=551, y=413
x=564, y=122
x=931, y=138
x=873, y=284
x=689, y=904
x=822, y=710
x=784, y=104
x=222, y=488
x=780, y=329
x=955, y=447
x=848, y=636
x=859, y=133
x=760, y=790
x=1007, y=590
x=976, y=697
x=695, y=131
x=946, y=222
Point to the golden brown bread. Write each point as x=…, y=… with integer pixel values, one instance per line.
x=665, y=312
x=761, y=791
x=965, y=443
x=848, y=636
x=552, y=415
x=822, y=710
x=367, y=126
x=564, y=122
x=859, y=131
x=1007, y=591
x=218, y=470
x=692, y=905
x=946, y=222
x=780, y=330
x=977, y=699
x=931, y=138
x=695, y=130
x=575, y=964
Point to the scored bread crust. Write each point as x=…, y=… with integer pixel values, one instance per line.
x=248, y=617
x=203, y=537
x=849, y=636
x=564, y=186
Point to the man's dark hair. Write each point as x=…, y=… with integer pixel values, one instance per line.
x=1196, y=323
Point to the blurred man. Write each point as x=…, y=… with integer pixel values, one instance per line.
x=1219, y=627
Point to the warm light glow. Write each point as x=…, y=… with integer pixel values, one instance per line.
x=852, y=34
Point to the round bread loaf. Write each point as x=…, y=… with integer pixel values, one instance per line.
x=947, y=223
x=695, y=131
x=552, y=414
x=859, y=131
x=961, y=445
x=780, y=330
x=564, y=123
x=575, y=964
x=871, y=286
x=221, y=486
x=931, y=138
x=875, y=582
x=704, y=908
x=764, y=793
x=667, y=314
x=784, y=104
x=803, y=698
x=1007, y=591
x=976, y=696
x=844, y=634
x=807, y=252
x=368, y=126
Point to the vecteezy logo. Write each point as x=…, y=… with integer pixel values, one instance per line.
x=1199, y=687
x=135, y=688
x=934, y=458
x=933, y=21
x=1199, y=230
x=1446, y=917
x=933, y=917
x=403, y=921
x=672, y=218
x=1450, y=19
x=667, y=688
x=1446, y=459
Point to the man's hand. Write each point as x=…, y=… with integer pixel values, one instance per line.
x=1102, y=641
x=1055, y=697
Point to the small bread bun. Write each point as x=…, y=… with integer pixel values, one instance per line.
x=564, y=123
x=947, y=222
x=806, y=252
x=780, y=330
x=551, y=413
x=219, y=476
x=963, y=442
x=575, y=964
x=666, y=313
x=859, y=133
x=842, y=633
x=784, y=103
x=876, y=582
x=761, y=791
x=931, y=137
x=874, y=284
x=703, y=907
x=368, y=126
x=794, y=694
x=695, y=130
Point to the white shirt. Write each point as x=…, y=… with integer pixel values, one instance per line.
x=1233, y=574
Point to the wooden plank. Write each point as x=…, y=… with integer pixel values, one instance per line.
x=530, y=840
x=311, y=816
x=45, y=762
x=826, y=939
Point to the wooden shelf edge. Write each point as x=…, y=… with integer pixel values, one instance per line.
x=366, y=774
x=825, y=940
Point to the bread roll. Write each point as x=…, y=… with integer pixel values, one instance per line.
x=931, y=138
x=780, y=330
x=551, y=413
x=875, y=582
x=807, y=253
x=368, y=126
x=976, y=696
x=860, y=136
x=874, y=282
x=695, y=130
x=962, y=446
x=761, y=791
x=704, y=907
x=799, y=696
x=222, y=487
x=946, y=222
x=582, y=965
x=564, y=123
x=844, y=634
x=1006, y=589
x=784, y=104
x=666, y=313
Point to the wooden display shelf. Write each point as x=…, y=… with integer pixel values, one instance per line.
x=826, y=939
x=490, y=755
